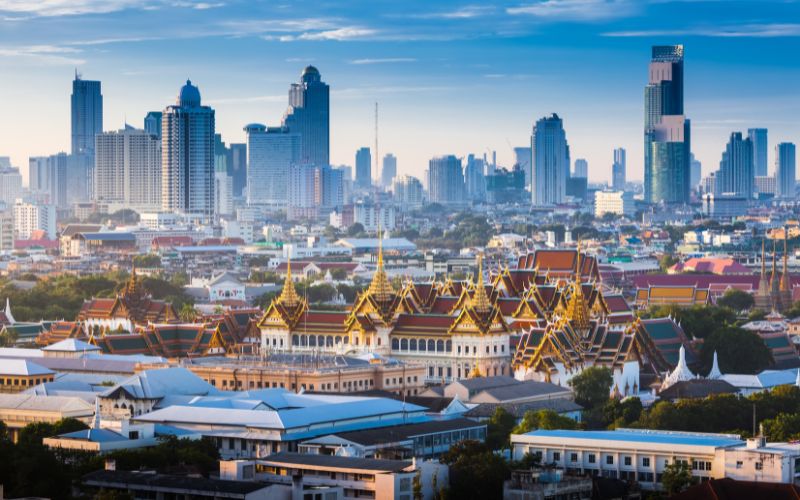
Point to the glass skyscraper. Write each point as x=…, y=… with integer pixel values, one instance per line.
x=309, y=117
x=87, y=115
x=758, y=136
x=271, y=152
x=445, y=180
x=735, y=178
x=363, y=168
x=785, y=169
x=187, y=155
x=667, y=143
x=550, y=153
x=619, y=170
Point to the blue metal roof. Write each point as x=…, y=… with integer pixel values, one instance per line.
x=109, y=236
x=644, y=436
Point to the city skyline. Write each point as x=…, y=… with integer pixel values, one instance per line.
x=424, y=66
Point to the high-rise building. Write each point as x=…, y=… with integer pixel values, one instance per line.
x=522, y=157
x=5, y=162
x=785, y=171
x=237, y=168
x=445, y=180
x=10, y=185
x=613, y=202
x=152, y=124
x=128, y=169
x=758, y=136
x=271, y=151
x=223, y=182
x=550, y=161
x=31, y=217
x=87, y=115
x=309, y=116
x=363, y=168
x=475, y=179
x=304, y=192
x=332, y=186
x=666, y=130
x=187, y=151
x=47, y=175
x=619, y=172
x=408, y=192
x=735, y=178
x=389, y=170
x=696, y=171
x=581, y=168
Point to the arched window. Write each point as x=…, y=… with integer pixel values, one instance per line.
x=303, y=340
x=295, y=340
x=312, y=341
x=448, y=346
x=345, y=339
x=431, y=345
x=338, y=340
x=395, y=345
x=413, y=344
x=439, y=346
x=379, y=341
x=404, y=345
x=329, y=341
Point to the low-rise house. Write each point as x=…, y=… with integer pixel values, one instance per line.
x=19, y=410
x=17, y=375
x=500, y=389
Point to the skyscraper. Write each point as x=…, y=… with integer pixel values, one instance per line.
x=408, y=192
x=550, y=161
x=48, y=175
x=475, y=179
x=128, y=169
x=309, y=116
x=696, y=171
x=152, y=124
x=187, y=152
x=445, y=180
x=271, y=151
x=363, y=169
x=785, y=172
x=735, y=178
x=666, y=130
x=10, y=185
x=332, y=185
x=758, y=136
x=223, y=182
x=522, y=157
x=581, y=168
x=87, y=115
x=389, y=170
x=237, y=168
x=619, y=172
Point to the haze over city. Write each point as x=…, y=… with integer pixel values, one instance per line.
x=450, y=77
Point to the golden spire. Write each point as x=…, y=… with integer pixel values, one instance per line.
x=763, y=263
x=774, y=278
x=380, y=287
x=785, y=276
x=577, y=309
x=131, y=288
x=288, y=296
x=476, y=371
x=480, y=302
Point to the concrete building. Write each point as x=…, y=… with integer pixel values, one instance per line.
x=363, y=168
x=47, y=175
x=643, y=455
x=475, y=179
x=7, y=230
x=17, y=375
x=785, y=169
x=30, y=217
x=581, y=168
x=127, y=170
x=619, y=170
x=271, y=152
x=373, y=216
x=614, y=202
x=695, y=172
x=19, y=410
x=187, y=149
x=736, y=173
x=389, y=170
x=550, y=161
x=10, y=185
x=445, y=181
x=304, y=192
x=152, y=124
x=408, y=192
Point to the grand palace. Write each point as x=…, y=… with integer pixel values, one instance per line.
x=547, y=319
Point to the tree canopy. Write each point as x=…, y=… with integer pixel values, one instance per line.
x=592, y=386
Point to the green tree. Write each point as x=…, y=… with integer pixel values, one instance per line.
x=355, y=230
x=187, y=313
x=676, y=477
x=737, y=300
x=499, y=427
x=784, y=427
x=475, y=472
x=339, y=274
x=592, y=386
x=738, y=350
x=416, y=487
x=148, y=260
x=621, y=413
x=543, y=419
x=666, y=261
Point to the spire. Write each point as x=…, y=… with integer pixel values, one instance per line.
x=681, y=372
x=774, y=278
x=785, y=276
x=288, y=296
x=380, y=287
x=9, y=316
x=715, y=373
x=480, y=302
x=763, y=261
x=577, y=309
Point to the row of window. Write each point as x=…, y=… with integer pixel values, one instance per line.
x=627, y=460
x=421, y=345
x=399, y=380
x=24, y=382
x=346, y=385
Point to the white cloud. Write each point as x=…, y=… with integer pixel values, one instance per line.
x=768, y=30
x=50, y=8
x=466, y=12
x=51, y=55
x=577, y=10
x=385, y=60
x=338, y=34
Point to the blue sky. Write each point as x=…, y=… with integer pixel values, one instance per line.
x=450, y=77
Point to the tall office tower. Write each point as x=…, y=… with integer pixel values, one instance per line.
x=237, y=168
x=695, y=171
x=53, y=179
x=127, y=169
x=309, y=116
x=408, y=192
x=363, y=169
x=667, y=132
x=758, y=136
x=389, y=170
x=223, y=193
x=522, y=157
x=550, y=161
x=581, y=168
x=87, y=115
x=445, y=180
x=10, y=185
x=619, y=172
x=187, y=152
x=785, y=172
x=271, y=151
x=152, y=124
x=332, y=185
x=304, y=192
x=735, y=178
x=30, y=217
x=474, y=179
x=37, y=174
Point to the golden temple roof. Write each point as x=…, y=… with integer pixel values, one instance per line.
x=480, y=301
x=288, y=296
x=380, y=288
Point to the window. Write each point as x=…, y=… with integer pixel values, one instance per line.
x=556, y=456
x=573, y=457
x=592, y=458
x=458, y=349
x=645, y=462
x=759, y=465
x=609, y=460
x=627, y=461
